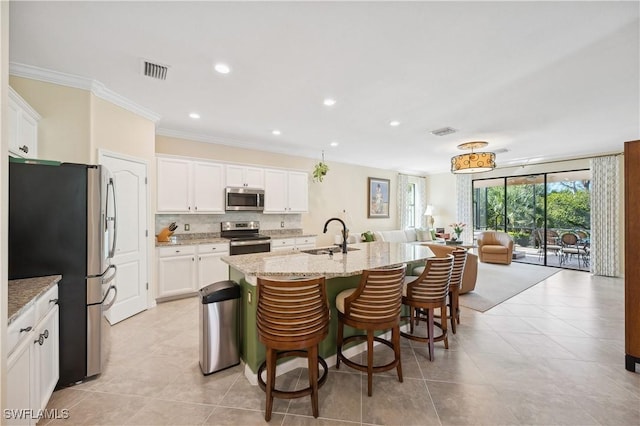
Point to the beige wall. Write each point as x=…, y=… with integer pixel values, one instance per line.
x=64, y=130
x=4, y=199
x=343, y=193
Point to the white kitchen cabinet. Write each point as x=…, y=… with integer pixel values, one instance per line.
x=210, y=268
x=186, y=186
x=286, y=191
x=185, y=269
x=177, y=270
x=47, y=336
x=33, y=361
x=23, y=127
x=208, y=187
x=244, y=176
x=21, y=380
x=305, y=243
x=292, y=244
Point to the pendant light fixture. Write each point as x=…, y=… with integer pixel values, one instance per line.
x=474, y=162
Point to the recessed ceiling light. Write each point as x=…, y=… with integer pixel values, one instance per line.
x=394, y=123
x=276, y=132
x=194, y=115
x=329, y=102
x=222, y=68
x=334, y=143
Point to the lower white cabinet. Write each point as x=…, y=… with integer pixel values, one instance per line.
x=185, y=269
x=32, y=364
x=292, y=244
x=210, y=268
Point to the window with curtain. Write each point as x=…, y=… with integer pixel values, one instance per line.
x=411, y=201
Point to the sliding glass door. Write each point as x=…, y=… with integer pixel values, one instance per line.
x=537, y=211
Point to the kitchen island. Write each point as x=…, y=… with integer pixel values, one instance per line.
x=342, y=271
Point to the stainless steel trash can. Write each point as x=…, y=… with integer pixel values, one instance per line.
x=219, y=326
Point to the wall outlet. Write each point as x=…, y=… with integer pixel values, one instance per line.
x=187, y=227
x=282, y=224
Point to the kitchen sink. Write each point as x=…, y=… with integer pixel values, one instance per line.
x=326, y=250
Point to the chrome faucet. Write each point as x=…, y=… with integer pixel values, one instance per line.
x=344, y=232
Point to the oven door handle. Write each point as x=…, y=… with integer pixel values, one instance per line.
x=249, y=243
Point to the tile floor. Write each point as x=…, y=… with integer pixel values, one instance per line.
x=552, y=355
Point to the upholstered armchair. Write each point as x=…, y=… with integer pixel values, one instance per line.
x=470, y=274
x=495, y=247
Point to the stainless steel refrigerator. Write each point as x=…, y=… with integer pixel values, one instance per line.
x=62, y=220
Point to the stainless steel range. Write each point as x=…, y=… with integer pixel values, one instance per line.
x=245, y=237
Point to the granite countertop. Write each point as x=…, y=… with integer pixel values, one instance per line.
x=299, y=264
x=24, y=292
x=215, y=238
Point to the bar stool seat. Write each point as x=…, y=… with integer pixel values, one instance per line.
x=374, y=305
x=292, y=319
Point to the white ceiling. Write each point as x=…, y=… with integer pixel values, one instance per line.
x=543, y=80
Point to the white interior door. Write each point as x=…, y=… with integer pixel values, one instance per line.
x=129, y=176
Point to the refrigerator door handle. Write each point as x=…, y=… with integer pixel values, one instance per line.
x=107, y=280
x=104, y=280
x=108, y=306
x=113, y=219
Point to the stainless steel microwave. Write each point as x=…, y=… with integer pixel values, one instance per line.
x=246, y=199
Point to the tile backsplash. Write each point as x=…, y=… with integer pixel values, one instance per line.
x=207, y=223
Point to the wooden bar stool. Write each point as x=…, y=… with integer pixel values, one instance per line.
x=424, y=294
x=374, y=305
x=292, y=319
x=455, y=283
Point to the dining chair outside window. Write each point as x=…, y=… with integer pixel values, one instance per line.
x=571, y=246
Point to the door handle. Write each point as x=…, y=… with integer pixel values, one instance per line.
x=112, y=249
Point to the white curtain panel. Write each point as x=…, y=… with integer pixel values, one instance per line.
x=464, y=205
x=605, y=216
x=403, y=213
x=421, y=191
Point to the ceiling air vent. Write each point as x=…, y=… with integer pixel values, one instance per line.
x=443, y=131
x=156, y=71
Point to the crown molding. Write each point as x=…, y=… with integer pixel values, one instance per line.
x=78, y=82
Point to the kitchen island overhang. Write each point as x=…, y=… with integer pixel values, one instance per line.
x=342, y=271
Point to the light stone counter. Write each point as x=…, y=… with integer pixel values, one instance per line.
x=23, y=293
x=299, y=264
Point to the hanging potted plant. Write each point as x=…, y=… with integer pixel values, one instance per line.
x=320, y=170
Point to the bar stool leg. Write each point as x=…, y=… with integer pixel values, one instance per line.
x=369, y=362
x=313, y=378
x=444, y=320
x=271, y=382
x=340, y=340
x=430, y=314
x=395, y=336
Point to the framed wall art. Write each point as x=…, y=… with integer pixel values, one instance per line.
x=378, y=198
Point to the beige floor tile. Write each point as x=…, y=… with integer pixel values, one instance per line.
x=159, y=412
x=553, y=354
x=394, y=403
x=338, y=399
x=103, y=409
x=237, y=416
x=464, y=404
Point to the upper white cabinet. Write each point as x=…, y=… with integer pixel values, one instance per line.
x=286, y=191
x=243, y=176
x=23, y=127
x=190, y=186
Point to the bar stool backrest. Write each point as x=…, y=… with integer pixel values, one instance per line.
x=433, y=284
x=292, y=314
x=459, y=259
x=378, y=297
